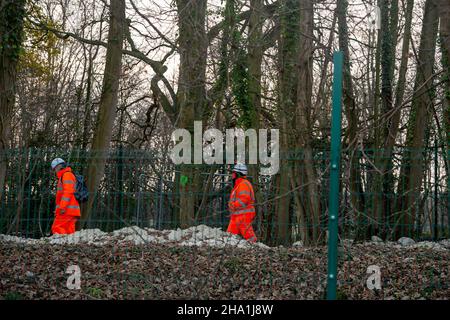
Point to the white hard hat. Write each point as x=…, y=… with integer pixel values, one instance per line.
x=240, y=167
x=56, y=162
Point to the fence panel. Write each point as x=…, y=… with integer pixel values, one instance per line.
x=156, y=260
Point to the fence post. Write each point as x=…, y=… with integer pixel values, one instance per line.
x=333, y=208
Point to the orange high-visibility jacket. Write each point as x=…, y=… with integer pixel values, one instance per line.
x=65, y=198
x=242, y=198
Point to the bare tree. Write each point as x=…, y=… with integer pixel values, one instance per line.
x=288, y=53
x=191, y=94
x=351, y=113
x=412, y=168
x=444, y=15
x=306, y=169
x=11, y=28
x=108, y=101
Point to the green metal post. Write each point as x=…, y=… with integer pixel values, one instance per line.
x=333, y=208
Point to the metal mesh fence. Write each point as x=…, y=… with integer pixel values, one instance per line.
x=140, y=189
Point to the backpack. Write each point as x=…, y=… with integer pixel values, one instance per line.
x=81, y=190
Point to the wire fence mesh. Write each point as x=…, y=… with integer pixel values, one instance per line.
x=140, y=189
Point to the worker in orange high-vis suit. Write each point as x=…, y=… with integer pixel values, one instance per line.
x=67, y=207
x=241, y=203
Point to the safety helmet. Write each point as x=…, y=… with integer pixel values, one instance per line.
x=56, y=162
x=241, y=168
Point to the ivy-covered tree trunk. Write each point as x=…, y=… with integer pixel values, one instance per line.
x=386, y=164
x=444, y=33
x=382, y=185
x=254, y=61
x=255, y=54
x=12, y=13
x=306, y=170
x=288, y=49
x=108, y=102
x=191, y=96
x=412, y=168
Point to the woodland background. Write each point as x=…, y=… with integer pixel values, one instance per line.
x=104, y=83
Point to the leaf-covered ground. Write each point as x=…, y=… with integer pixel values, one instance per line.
x=173, y=272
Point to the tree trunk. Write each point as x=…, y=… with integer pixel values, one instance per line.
x=254, y=61
x=108, y=102
x=255, y=54
x=393, y=123
x=444, y=15
x=88, y=98
x=382, y=184
x=351, y=113
x=288, y=49
x=11, y=34
x=411, y=172
x=191, y=95
x=307, y=172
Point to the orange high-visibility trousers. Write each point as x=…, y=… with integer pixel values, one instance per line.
x=64, y=224
x=241, y=224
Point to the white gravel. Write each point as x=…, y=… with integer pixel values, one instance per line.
x=405, y=241
x=200, y=235
x=376, y=239
x=194, y=236
x=445, y=243
x=429, y=245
